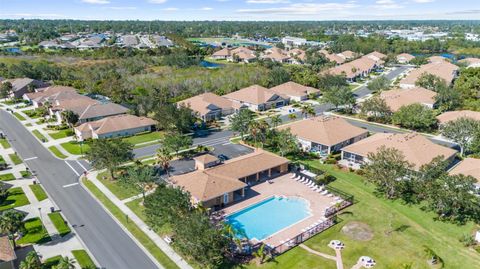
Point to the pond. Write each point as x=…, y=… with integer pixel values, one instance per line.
x=208, y=64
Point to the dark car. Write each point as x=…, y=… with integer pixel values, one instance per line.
x=222, y=157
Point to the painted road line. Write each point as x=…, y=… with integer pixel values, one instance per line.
x=227, y=144
x=29, y=159
x=70, y=185
x=85, y=169
x=73, y=169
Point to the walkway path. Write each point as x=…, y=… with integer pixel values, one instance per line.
x=92, y=176
x=337, y=258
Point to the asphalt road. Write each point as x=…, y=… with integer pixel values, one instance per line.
x=110, y=245
x=364, y=91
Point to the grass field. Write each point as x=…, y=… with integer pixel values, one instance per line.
x=19, y=116
x=39, y=135
x=399, y=233
x=59, y=223
x=75, y=148
x=4, y=143
x=38, y=191
x=35, y=232
x=51, y=262
x=132, y=228
x=144, y=138
x=25, y=174
x=32, y=113
x=15, y=159
x=16, y=197
x=83, y=259
x=7, y=177
x=61, y=134
x=120, y=191
x=57, y=152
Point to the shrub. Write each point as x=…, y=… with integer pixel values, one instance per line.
x=325, y=179
x=467, y=240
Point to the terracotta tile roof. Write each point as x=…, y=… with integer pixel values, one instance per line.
x=348, y=54
x=116, y=123
x=332, y=57
x=416, y=149
x=455, y=115
x=206, y=158
x=405, y=57
x=213, y=182
x=376, y=56
x=468, y=167
x=7, y=253
x=254, y=94
x=206, y=102
x=471, y=62
x=276, y=54
x=76, y=104
x=397, y=98
x=297, y=53
x=244, y=53
x=443, y=70
x=325, y=130
x=225, y=52
x=53, y=93
x=436, y=59
x=353, y=68
x=293, y=89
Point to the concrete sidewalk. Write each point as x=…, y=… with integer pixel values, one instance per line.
x=92, y=176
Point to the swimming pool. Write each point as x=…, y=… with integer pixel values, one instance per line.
x=269, y=216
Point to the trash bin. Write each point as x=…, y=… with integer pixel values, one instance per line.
x=52, y=209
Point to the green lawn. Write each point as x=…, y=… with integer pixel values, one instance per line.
x=19, y=116
x=15, y=159
x=145, y=137
x=132, y=228
x=39, y=135
x=62, y=134
x=32, y=113
x=4, y=143
x=35, y=233
x=83, y=259
x=38, y=191
x=59, y=223
x=25, y=174
x=7, y=177
x=28, y=124
x=120, y=191
x=75, y=148
x=16, y=198
x=51, y=262
x=57, y=152
x=399, y=233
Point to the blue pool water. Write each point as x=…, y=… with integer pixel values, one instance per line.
x=267, y=217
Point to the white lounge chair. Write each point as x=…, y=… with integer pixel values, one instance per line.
x=315, y=188
x=293, y=175
x=325, y=192
x=310, y=184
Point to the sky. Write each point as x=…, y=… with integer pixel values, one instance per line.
x=265, y=10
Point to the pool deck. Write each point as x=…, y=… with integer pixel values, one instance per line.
x=286, y=186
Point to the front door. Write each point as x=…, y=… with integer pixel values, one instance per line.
x=225, y=198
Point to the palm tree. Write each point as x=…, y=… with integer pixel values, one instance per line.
x=163, y=158
x=292, y=116
x=308, y=110
x=66, y=263
x=11, y=221
x=275, y=120
x=260, y=253
x=32, y=261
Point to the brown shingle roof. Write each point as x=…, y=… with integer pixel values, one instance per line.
x=353, y=68
x=293, y=89
x=206, y=158
x=254, y=94
x=117, y=123
x=53, y=93
x=455, y=115
x=416, y=149
x=444, y=70
x=214, y=182
x=6, y=250
x=397, y=98
x=405, y=56
x=102, y=110
x=206, y=102
x=468, y=167
x=325, y=130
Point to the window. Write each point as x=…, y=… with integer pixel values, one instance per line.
x=225, y=198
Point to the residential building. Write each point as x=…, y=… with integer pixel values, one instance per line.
x=241, y=54
x=437, y=59
x=205, y=161
x=416, y=149
x=276, y=55
x=397, y=98
x=162, y=41
x=378, y=57
x=225, y=183
x=404, y=58
x=50, y=94
x=360, y=67
x=348, y=55
x=297, y=56
x=209, y=106
x=86, y=108
x=332, y=57
x=455, y=115
x=21, y=86
x=222, y=54
x=325, y=134
x=289, y=41
x=7, y=253
x=257, y=98
x=114, y=126
x=468, y=167
x=471, y=62
x=295, y=91
x=444, y=70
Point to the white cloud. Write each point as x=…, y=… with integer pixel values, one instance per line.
x=157, y=1
x=121, y=8
x=423, y=1
x=268, y=1
x=100, y=2
x=170, y=9
x=206, y=8
x=301, y=9
x=386, y=4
